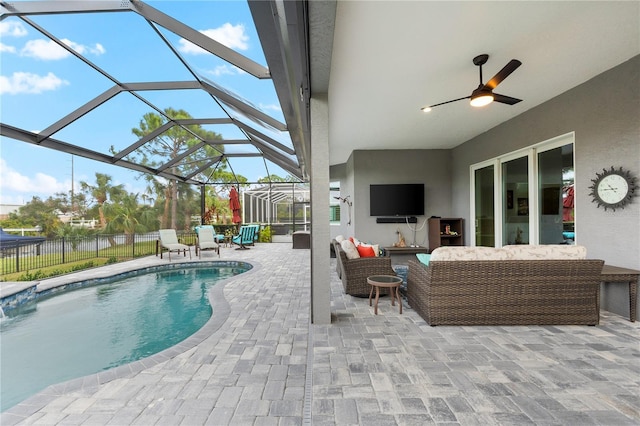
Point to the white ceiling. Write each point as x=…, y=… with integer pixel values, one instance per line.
x=390, y=59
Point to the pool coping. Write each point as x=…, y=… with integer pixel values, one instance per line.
x=220, y=313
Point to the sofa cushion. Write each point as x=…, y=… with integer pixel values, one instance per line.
x=424, y=258
x=468, y=253
x=350, y=249
x=545, y=252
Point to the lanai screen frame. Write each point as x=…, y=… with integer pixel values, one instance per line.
x=260, y=203
x=290, y=78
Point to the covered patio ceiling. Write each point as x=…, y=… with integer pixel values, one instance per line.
x=276, y=141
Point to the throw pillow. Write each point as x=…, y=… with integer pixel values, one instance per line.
x=375, y=247
x=365, y=251
x=424, y=258
x=350, y=249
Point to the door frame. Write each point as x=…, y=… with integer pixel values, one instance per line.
x=531, y=152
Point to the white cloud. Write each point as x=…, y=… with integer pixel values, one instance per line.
x=7, y=49
x=25, y=187
x=272, y=107
x=16, y=200
x=12, y=29
x=96, y=50
x=224, y=70
x=232, y=36
x=48, y=50
x=24, y=82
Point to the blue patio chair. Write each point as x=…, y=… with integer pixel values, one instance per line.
x=246, y=235
x=256, y=234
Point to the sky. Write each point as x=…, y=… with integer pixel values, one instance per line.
x=40, y=83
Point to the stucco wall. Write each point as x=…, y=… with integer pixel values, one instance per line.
x=431, y=167
x=604, y=114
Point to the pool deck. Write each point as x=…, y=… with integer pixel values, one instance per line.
x=258, y=361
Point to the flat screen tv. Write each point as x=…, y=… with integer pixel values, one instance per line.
x=397, y=199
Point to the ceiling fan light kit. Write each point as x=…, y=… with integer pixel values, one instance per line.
x=484, y=95
x=480, y=98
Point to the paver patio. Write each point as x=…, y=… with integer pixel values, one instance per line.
x=251, y=364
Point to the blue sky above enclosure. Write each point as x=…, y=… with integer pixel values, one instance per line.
x=40, y=83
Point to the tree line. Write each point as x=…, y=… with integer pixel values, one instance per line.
x=164, y=203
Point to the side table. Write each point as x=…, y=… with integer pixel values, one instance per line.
x=391, y=282
x=616, y=274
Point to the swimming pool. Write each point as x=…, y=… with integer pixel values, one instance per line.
x=91, y=329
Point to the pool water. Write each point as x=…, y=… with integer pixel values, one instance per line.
x=85, y=331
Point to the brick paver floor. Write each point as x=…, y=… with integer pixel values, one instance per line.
x=259, y=362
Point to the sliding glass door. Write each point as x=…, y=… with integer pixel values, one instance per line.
x=485, y=206
x=525, y=197
x=555, y=192
x=515, y=207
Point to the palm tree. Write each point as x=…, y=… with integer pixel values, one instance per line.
x=102, y=192
x=129, y=217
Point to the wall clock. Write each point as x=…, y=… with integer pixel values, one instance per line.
x=613, y=188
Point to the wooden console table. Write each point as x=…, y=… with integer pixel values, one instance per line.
x=616, y=274
x=400, y=255
x=405, y=250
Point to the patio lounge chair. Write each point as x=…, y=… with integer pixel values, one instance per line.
x=219, y=238
x=206, y=240
x=245, y=237
x=169, y=241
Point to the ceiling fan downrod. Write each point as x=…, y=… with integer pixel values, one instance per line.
x=479, y=61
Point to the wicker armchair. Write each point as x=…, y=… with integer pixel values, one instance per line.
x=336, y=246
x=354, y=272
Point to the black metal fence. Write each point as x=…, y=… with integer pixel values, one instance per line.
x=59, y=251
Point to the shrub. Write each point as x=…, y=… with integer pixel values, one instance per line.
x=41, y=274
x=265, y=234
x=82, y=266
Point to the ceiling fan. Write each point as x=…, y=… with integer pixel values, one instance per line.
x=484, y=95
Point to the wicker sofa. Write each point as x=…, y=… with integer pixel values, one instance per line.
x=525, y=285
x=354, y=272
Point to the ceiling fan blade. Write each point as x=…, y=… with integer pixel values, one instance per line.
x=448, y=102
x=505, y=99
x=503, y=73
